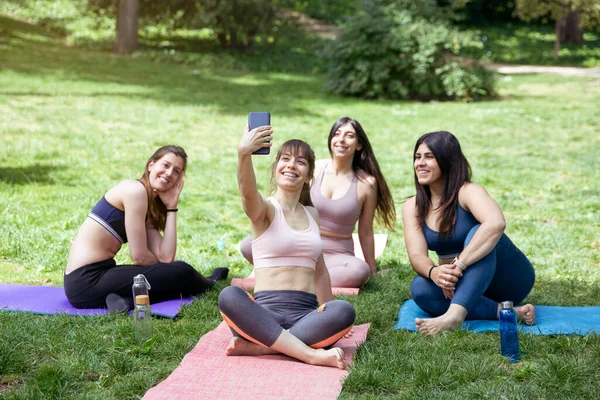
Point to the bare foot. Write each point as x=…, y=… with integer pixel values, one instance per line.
x=433, y=326
x=241, y=347
x=526, y=314
x=330, y=358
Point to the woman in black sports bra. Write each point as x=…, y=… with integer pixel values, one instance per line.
x=135, y=211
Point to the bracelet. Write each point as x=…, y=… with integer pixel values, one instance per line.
x=172, y=209
x=431, y=269
x=459, y=264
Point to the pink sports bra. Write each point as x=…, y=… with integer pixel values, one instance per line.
x=280, y=245
x=336, y=215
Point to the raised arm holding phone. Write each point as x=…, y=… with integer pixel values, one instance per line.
x=292, y=311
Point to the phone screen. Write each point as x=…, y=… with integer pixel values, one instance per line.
x=256, y=119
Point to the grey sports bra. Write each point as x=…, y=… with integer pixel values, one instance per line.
x=336, y=215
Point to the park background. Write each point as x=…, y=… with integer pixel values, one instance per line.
x=76, y=118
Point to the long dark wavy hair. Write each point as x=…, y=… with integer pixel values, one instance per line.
x=455, y=170
x=298, y=148
x=157, y=212
x=364, y=159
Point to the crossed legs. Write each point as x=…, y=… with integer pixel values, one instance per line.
x=258, y=329
x=504, y=274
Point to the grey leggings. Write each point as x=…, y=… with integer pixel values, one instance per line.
x=262, y=320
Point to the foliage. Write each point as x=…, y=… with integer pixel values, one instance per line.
x=588, y=10
x=92, y=26
x=173, y=13
x=73, y=122
x=483, y=12
x=238, y=23
x=520, y=43
x=384, y=52
x=332, y=11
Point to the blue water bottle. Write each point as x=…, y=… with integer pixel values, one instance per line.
x=509, y=333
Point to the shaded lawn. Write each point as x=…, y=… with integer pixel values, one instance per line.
x=534, y=45
x=75, y=122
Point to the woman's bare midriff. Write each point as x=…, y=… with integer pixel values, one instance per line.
x=92, y=244
x=285, y=278
x=334, y=234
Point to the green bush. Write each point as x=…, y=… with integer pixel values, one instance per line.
x=332, y=11
x=386, y=52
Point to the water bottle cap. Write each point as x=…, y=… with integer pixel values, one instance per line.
x=142, y=299
x=507, y=304
x=140, y=278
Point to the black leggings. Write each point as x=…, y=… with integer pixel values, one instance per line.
x=262, y=320
x=88, y=286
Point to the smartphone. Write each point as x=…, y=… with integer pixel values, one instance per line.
x=256, y=119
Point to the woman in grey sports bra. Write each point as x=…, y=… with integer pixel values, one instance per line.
x=348, y=188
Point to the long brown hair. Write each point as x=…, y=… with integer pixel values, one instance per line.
x=298, y=148
x=455, y=170
x=364, y=159
x=157, y=212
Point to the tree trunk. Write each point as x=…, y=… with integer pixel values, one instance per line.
x=571, y=32
x=559, y=27
x=126, y=40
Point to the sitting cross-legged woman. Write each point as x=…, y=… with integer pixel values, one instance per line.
x=135, y=211
x=292, y=311
x=348, y=188
x=479, y=266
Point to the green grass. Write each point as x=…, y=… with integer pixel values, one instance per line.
x=73, y=122
x=534, y=44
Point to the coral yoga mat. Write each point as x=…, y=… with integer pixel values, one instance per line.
x=207, y=373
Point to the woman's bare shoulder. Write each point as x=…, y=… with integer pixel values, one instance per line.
x=366, y=179
x=313, y=212
x=409, y=204
x=128, y=188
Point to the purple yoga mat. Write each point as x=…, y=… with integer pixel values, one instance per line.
x=52, y=300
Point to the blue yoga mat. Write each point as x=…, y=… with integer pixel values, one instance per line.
x=550, y=320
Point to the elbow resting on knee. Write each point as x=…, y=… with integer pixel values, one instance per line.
x=166, y=260
x=499, y=226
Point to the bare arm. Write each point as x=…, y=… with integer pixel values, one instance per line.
x=322, y=279
x=255, y=206
x=135, y=203
x=485, y=209
x=164, y=247
x=445, y=276
x=365, y=223
x=414, y=239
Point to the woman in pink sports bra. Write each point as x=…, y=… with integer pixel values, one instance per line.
x=348, y=188
x=292, y=311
